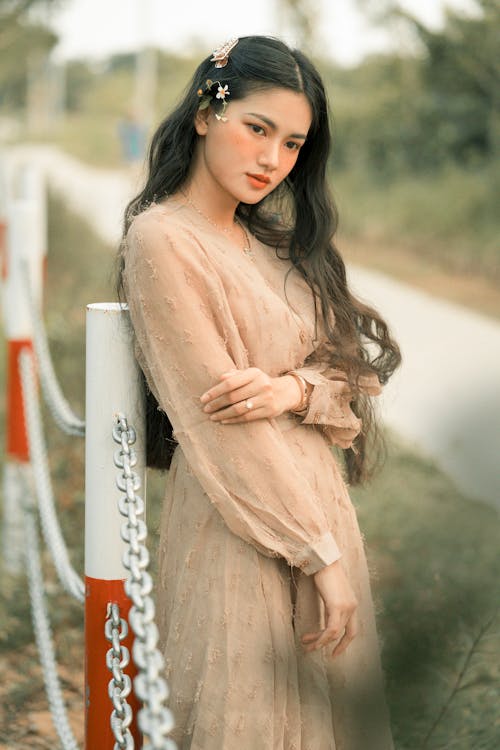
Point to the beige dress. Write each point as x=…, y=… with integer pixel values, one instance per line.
x=251, y=509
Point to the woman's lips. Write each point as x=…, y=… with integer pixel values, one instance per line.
x=259, y=181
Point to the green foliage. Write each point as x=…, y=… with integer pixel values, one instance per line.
x=397, y=114
x=417, y=143
x=93, y=138
x=461, y=70
x=23, y=43
x=79, y=79
x=375, y=116
x=448, y=218
x=436, y=577
x=301, y=18
x=108, y=88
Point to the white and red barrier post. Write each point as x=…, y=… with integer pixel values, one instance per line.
x=112, y=386
x=23, y=245
x=5, y=196
x=32, y=186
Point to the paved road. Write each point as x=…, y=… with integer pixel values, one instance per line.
x=446, y=397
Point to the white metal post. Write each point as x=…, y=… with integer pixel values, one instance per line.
x=33, y=186
x=5, y=197
x=113, y=386
x=22, y=246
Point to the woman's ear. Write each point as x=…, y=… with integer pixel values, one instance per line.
x=201, y=120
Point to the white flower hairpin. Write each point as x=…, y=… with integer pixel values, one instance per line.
x=222, y=92
x=207, y=96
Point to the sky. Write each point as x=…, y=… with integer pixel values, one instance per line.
x=96, y=28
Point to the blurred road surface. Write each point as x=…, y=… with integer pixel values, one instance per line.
x=446, y=396
x=445, y=400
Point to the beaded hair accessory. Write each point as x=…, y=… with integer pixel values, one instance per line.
x=221, y=54
x=220, y=57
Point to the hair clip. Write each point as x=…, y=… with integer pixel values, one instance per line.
x=221, y=54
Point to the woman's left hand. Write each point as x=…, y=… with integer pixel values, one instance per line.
x=246, y=395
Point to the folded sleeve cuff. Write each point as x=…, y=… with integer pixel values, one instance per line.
x=329, y=403
x=318, y=555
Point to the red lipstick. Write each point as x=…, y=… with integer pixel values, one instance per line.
x=259, y=181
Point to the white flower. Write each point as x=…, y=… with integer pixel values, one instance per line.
x=222, y=92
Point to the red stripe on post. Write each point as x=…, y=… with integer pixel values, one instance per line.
x=17, y=439
x=98, y=706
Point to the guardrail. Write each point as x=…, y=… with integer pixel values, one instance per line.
x=116, y=590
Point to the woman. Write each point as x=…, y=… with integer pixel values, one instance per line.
x=264, y=600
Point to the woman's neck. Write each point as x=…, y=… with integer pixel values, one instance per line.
x=209, y=197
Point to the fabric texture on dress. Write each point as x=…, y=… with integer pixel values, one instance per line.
x=251, y=510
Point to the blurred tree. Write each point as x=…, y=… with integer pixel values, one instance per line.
x=461, y=72
x=24, y=39
x=123, y=61
x=16, y=17
x=301, y=17
x=79, y=80
x=419, y=108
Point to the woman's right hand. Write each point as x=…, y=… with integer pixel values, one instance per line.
x=340, y=610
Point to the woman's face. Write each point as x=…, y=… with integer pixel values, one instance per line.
x=247, y=156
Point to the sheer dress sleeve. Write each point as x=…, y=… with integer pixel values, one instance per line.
x=329, y=402
x=186, y=338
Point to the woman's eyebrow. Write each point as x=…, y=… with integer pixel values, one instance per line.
x=272, y=125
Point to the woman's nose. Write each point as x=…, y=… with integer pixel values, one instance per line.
x=269, y=156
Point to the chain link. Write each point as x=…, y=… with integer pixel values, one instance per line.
x=155, y=720
x=41, y=626
x=12, y=531
x=38, y=456
x=59, y=407
x=120, y=685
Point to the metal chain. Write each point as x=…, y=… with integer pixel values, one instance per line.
x=12, y=531
x=60, y=409
x=155, y=720
x=120, y=685
x=41, y=626
x=38, y=455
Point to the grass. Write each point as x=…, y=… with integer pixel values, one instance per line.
x=91, y=137
x=437, y=583
x=434, y=556
x=438, y=232
x=454, y=208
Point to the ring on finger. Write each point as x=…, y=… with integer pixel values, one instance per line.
x=249, y=403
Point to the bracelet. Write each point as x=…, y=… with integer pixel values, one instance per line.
x=303, y=403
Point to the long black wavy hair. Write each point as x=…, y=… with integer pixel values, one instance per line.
x=298, y=219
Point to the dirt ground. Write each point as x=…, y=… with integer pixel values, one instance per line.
x=24, y=713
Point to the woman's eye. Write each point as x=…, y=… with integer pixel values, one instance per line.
x=257, y=129
x=292, y=146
